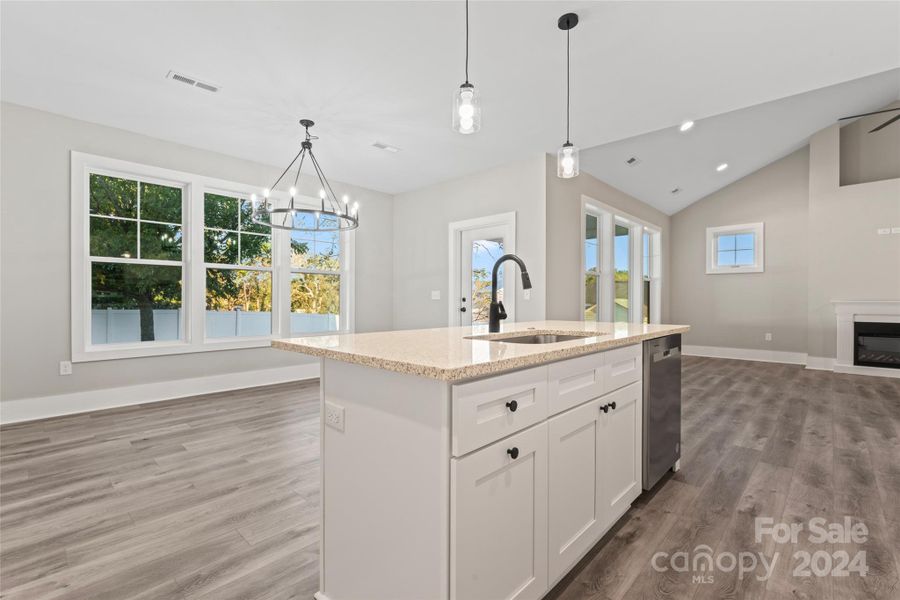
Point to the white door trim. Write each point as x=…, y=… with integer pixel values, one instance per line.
x=455, y=230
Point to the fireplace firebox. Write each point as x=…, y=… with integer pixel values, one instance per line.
x=877, y=344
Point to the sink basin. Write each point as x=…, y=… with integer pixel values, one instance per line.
x=544, y=338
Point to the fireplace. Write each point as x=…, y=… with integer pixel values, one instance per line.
x=876, y=344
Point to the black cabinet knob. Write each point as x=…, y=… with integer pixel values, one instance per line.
x=605, y=408
x=612, y=405
x=514, y=452
x=463, y=309
x=512, y=405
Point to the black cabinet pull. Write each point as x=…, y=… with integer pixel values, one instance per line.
x=463, y=309
x=612, y=405
x=605, y=408
x=512, y=405
x=514, y=452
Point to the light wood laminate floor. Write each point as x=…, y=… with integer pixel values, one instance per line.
x=216, y=497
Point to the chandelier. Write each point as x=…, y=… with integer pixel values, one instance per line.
x=330, y=215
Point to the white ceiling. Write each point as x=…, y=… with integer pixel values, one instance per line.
x=745, y=139
x=384, y=71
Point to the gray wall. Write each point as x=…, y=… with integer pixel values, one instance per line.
x=848, y=260
x=736, y=310
x=564, y=235
x=870, y=157
x=821, y=245
x=35, y=146
x=421, y=246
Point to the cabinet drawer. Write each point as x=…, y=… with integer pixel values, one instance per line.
x=485, y=411
x=575, y=381
x=621, y=367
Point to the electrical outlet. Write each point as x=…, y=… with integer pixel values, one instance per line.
x=65, y=367
x=334, y=416
x=768, y=337
x=527, y=294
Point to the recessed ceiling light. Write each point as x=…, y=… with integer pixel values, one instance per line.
x=685, y=126
x=386, y=147
x=722, y=167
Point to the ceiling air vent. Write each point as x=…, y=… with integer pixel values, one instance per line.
x=675, y=190
x=386, y=147
x=634, y=160
x=192, y=81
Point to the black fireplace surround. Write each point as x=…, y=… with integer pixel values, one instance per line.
x=877, y=344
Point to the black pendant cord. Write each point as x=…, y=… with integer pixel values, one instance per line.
x=467, y=42
x=568, y=69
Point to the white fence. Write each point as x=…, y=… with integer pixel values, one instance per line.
x=114, y=326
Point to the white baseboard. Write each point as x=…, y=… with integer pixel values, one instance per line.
x=820, y=363
x=775, y=356
x=29, y=409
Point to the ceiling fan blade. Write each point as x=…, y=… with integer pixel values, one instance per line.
x=877, y=112
x=886, y=123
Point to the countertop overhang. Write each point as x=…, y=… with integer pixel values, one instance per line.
x=450, y=353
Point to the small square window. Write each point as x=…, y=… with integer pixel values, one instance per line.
x=734, y=249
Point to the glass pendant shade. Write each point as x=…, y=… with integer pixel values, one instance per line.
x=466, y=109
x=567, y=161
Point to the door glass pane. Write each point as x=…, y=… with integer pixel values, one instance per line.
x=591, y=269
x=622, y=263
x=135, y=303
x=484, y=254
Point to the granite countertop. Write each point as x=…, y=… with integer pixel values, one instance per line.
x=450, y=353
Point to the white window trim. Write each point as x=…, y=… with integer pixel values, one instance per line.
x=759, y=240
x=194, y=266
x=607, y=216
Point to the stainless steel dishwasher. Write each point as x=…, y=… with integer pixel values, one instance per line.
x=662, y=407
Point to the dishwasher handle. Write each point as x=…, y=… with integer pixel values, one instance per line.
x=668, y=353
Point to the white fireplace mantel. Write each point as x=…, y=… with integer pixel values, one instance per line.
x=851, y=311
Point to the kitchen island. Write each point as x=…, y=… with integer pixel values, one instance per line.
x=462, y=465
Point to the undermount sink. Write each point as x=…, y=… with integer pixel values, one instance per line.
x=543, y=338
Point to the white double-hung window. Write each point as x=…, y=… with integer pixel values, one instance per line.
x=168, y=262
x=735, y=249
x=622, y=263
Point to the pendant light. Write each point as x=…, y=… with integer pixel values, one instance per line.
x=567, y=157
x=331, y=214
x=466, y=110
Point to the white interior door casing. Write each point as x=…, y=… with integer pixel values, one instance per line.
x=498, y=544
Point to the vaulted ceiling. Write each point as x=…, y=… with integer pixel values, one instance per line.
x=385, y=71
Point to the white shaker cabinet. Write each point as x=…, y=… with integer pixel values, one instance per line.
x=620, y=448
x=498, y=520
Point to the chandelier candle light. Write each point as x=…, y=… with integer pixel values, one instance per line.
x=331, y=215
x=466, y=109
x=567, y=157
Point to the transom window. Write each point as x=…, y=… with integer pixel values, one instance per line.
x=734, y=249
x=135, y=229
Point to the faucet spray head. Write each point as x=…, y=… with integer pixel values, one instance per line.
x=526, y=280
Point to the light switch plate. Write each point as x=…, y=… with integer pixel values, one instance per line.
x=895, y=229
x=65, y=367
x=884, y=231
x=435, y=294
